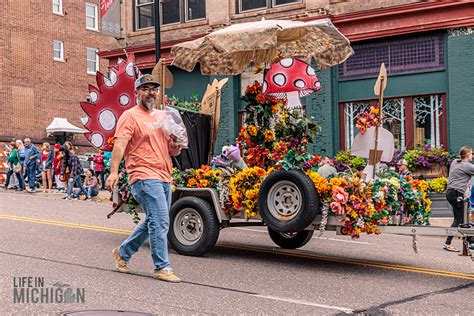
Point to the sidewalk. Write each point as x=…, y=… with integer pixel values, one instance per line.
x=102, y=197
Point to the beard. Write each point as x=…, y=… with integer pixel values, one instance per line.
x=148, y=102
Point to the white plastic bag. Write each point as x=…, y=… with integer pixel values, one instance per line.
x=173, y=127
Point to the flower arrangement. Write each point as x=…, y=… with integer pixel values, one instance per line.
x=274, y=136
x=125, y=194
x=368, y=119
x=368, y=205
x=244, y=187
x=204, y=177
x=344, y=161
x=439, y=185
x=425, y=157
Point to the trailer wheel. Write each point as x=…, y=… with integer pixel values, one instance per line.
x=288, y=201
x=291, y=240
x=194, y=228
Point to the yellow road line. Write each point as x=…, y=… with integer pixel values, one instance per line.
x=66, y=224
x=300, y=254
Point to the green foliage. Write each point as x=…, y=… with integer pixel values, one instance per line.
x=192, y=104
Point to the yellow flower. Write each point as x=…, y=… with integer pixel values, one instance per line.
x=276, y=108
x=338, y=182
x=374, y=110
x=252, y=130
x=269, y=135
x=250, y=194
x=204, y=183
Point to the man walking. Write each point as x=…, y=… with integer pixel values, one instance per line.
x=31, y=155
x=148, y=154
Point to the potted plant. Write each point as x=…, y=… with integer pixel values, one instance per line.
x=428, y=162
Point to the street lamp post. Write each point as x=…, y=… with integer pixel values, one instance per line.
x=157, y=31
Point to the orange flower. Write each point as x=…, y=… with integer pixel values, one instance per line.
x=192, y=182
x=261, y=98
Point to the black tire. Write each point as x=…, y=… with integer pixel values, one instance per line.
x=300, y=203
x=194, y=232
x=291, y=240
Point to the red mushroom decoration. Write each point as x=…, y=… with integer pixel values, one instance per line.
x=291, y=79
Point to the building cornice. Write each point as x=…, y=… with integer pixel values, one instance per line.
x=405, y=19
x=357, y=26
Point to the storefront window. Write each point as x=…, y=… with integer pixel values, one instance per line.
x=428, y=111
x=351, y=112
x=413, y=121
x=394, y=113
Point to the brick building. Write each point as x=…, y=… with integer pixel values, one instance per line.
x=47, y=59
x=426, y=45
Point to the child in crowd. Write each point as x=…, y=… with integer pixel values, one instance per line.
x=91, y=185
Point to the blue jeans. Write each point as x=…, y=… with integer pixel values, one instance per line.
x=21, y=182
x=76, y=180
x=31, y=172
x=154, y=196
x=92, y=192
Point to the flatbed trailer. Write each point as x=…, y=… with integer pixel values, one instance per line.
x=197, y=217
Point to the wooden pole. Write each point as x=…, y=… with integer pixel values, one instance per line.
x=377, y=127
x=163, y=85
x=213, y=123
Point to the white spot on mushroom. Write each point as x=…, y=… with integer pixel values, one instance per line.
x=93, y=96
x=97, y=139
x=287, y=62
x=84, y=120
x=264, y=86
x=107, y=120
x=279, y=79
x=310, y=71
x=299, y=83
x=317, y=85
x=130, y=69
x=124, y=99
x=111, y=80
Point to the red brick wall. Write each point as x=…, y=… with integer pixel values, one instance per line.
x=33, y=87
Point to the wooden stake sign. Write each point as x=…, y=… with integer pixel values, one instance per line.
x=379, y=88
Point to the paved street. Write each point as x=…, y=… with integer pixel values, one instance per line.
x=71, y=241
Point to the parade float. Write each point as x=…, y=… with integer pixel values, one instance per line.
x=268, y=177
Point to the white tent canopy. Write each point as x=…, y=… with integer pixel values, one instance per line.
x=61, y=125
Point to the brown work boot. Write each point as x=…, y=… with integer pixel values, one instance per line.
x=119, y=262
x=166, y=274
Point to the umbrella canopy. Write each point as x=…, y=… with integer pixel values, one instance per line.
x=231, y=50
x=61, y=125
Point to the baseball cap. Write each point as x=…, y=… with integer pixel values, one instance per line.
x=146, y=79
x=57, y=146
x=402, y=162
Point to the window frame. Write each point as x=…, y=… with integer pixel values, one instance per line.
x=180, y=2
x=96, y=61
x=61, y=50
x=136, y=15
x=239, y=7
x=186, y=6
x=274, y=5
x=96, y=17
x=60, y=4
x=269, y=4
x=409, y=120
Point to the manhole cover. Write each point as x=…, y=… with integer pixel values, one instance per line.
x=104, y=313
